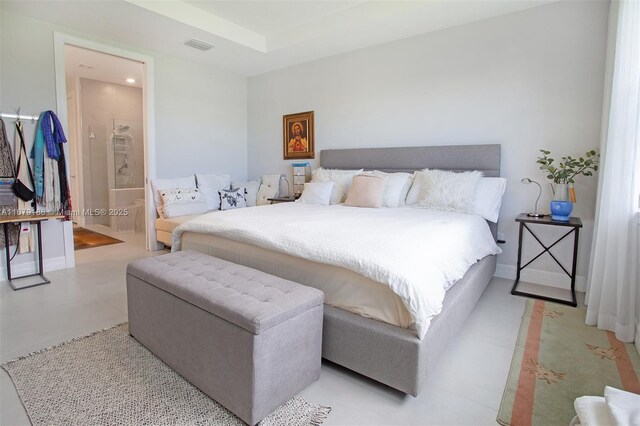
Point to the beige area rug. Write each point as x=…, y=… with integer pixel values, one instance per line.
x=559, y=358
x=108, y=378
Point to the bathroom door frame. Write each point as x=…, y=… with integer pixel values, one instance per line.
x=149, y=125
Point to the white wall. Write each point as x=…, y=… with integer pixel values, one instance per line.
x=528, y=80
x=200, y=111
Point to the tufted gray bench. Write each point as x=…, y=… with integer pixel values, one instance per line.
x=247, y=339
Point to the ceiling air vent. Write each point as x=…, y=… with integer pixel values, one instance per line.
x=199, y=44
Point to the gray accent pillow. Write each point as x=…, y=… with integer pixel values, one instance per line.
x=232, y=198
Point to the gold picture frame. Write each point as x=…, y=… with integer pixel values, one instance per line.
x=297, y=135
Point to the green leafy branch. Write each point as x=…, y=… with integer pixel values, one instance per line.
x=570, y=167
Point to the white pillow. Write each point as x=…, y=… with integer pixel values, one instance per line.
x=488, y=197
x=405, y=190
x=448, y=191
x=394, y=187
x=316, y=193
x=158, y=184
x=251, y=194
x=366, y=191
x=340, y=178
x=413, y=195
x=232, y=198
x=264, y=193
x=211, y=185
x=181, y=202
x=269, y=188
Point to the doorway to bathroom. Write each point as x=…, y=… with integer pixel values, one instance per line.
x=105, y=107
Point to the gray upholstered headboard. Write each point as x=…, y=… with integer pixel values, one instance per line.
x=485, y=158
x=459, y=158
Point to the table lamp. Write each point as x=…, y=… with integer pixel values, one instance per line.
x=535, y=213
x=283, y=177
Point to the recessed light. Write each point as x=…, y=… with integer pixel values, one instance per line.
x=131, y=80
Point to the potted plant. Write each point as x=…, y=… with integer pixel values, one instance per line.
x=562, y=177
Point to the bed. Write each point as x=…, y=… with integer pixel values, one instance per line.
x=386, y=342
x=164, y=227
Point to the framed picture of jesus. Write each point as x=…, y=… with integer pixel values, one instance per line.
x=297, y=130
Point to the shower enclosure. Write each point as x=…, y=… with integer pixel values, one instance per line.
x=125, y=174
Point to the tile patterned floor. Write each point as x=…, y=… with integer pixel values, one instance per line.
x=465, y=390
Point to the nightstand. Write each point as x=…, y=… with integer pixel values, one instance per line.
x=286, y=199
x=574, y=224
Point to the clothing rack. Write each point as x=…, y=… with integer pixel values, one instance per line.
x=18, y=116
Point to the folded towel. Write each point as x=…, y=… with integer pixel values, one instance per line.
x=623, y=407
x=592, y=411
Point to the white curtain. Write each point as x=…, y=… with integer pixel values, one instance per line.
x=612, y=288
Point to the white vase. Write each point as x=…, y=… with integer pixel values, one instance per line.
x=560, y=191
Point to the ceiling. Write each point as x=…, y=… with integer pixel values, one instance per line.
x=256, y=36
x=85, y=63
x=268, y=17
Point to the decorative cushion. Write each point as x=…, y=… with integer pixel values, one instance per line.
x=413, y=195
x=405, y=190
x=448, y=191
x=232, y=199
x=158, y=184
x=264, y=193
x=316, y=193
x=394, y=187
x=366, y=191
x=271, y=180
x=251, y=191
x=210, y=186
x=181, y=202
x=488, y=197
x=340, y=178
x=270, y=188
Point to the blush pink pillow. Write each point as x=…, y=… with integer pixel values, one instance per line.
x=366, y=191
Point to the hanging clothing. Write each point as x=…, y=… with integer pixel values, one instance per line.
x=23, y=173
x=27, y=238
x=26, y=234
x=52, y=188
x=7, y=170
x=65, y=190
x=51, y=197
x=37, y=153
x=53, y=134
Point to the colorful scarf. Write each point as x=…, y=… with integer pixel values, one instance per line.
x=54, y=136
x=37, y=153
x=51, y=138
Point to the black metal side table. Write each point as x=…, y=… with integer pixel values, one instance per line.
x=36, y=219
x=575, y=224
x=283, y=199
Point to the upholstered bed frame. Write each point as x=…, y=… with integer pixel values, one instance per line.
x=390, y=354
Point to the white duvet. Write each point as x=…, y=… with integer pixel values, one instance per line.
x=418, y=253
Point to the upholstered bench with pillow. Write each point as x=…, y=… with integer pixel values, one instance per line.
x=249, y=340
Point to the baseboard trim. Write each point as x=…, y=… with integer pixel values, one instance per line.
x=26, y=268
x=537, y=276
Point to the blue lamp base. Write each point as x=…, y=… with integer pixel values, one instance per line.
x=561, y=210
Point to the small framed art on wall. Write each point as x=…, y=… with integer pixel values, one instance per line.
x=297, y=133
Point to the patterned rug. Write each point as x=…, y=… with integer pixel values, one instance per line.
x=557, y=359
x=108, y=378
x=84, y=239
